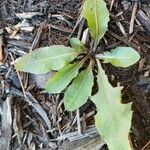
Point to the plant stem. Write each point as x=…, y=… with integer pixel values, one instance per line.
x=95, y=45
x=100, y=56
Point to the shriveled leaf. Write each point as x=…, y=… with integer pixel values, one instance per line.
x=63, y=77
x=121, y=56
x=36, y=105
x=79, y=91
x=76, y=44
x=97, y=16
x=113, y=119
x=46, y=59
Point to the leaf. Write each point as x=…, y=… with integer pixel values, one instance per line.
x=121, y=56
x=79, y=91
x=63, y=77
x=76, y=44
x=97, y=15
x=46, y=59
x=113, y=119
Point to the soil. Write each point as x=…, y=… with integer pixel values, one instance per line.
x=55, y=22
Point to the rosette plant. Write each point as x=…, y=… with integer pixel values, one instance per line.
x=75, y=66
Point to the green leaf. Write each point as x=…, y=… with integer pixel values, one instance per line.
x=113, y=119
x=76, y=44
x=97, y=15
x=45, y=59
x=79, y=91
x=63, y=77
x=120, y=56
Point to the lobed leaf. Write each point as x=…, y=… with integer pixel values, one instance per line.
x=63, y=77
x=121, y=56
x=97, y=16
x=76, y=44
x=113, y=119
x=46, y=59
x=79, y=91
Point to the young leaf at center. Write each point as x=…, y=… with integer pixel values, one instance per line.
x=113, y=119
x=76, y=44
x=97, y=16
x=80, y=90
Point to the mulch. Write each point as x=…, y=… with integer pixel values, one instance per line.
x=33, y=119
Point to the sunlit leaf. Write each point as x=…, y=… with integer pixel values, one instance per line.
x=80, y=90
x=121, y=56
x=63, y=77
x=113, y=119
x=97, y=16
x=45, y=59
x=76, y=44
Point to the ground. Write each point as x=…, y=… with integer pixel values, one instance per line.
x=39, y=121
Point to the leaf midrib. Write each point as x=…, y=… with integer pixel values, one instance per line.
x=54, y=57
x=96, y=17
x=85, y=77
x=113, y=57
x=107, y=95
x=74, y=68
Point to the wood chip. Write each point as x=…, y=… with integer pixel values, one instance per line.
x=6, y=123
x=143, y=19
x=1, y=45
x=95, y=144
x=73, y=136
x=17, y=126
x=28, y=15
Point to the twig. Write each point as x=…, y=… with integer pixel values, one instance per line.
x=78, y=121
x=134, y=34
x=75, y=27
x=133, y=17
x=63, y=19
x=124, y=40
x=111, y=5
x=37, y=37
x=145, y=145
x=121, y=28
x=60, y=28
x=17, y=126
x=23, y=90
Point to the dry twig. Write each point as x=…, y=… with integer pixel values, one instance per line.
x=133, y=17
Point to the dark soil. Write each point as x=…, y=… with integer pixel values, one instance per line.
x=55, y=25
